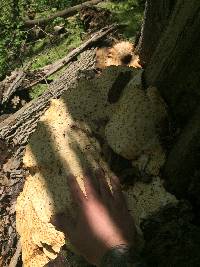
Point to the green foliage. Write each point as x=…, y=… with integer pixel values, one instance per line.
x=46, y=5
x=129, y=12
x=37, y=90
x=11, y=35
x=54, y=52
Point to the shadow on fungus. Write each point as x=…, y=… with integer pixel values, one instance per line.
x=56, y=170
x=61, y=148
x=55, y=178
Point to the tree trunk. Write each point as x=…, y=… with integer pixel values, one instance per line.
x=174, y=69
x=174, y=66
x=156, y=18
x=183, y=161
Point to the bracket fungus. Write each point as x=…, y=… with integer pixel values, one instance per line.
x=66, y=141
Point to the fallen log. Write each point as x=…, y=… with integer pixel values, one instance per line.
x=48, y=70
x=25, y=79
x=63, y=13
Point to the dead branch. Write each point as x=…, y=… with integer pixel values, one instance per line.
x=63, y=13
x=26, y=79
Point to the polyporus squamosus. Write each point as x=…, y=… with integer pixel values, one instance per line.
x=133, y=130
x=64, y=143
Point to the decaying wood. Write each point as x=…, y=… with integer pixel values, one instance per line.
x=64, y=13
x=17, y=128
x=25, y=79
x=11, y=83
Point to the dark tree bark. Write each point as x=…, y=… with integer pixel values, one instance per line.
x=156, y=18
x=183, y=161
x=174, y=69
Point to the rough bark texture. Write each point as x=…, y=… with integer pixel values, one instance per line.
x=172, y=238
x=64, y=13
x=10, y=84
x=186, y=153
x=174, y=69
x=156, y=18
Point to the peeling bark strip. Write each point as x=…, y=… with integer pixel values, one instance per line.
x=64, y=13
x=15, y=258
x=11, y=83
x=17, y=128
x=26, y=79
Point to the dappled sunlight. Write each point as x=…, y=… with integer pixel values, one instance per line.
x=70, y=140
x=58, y=148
